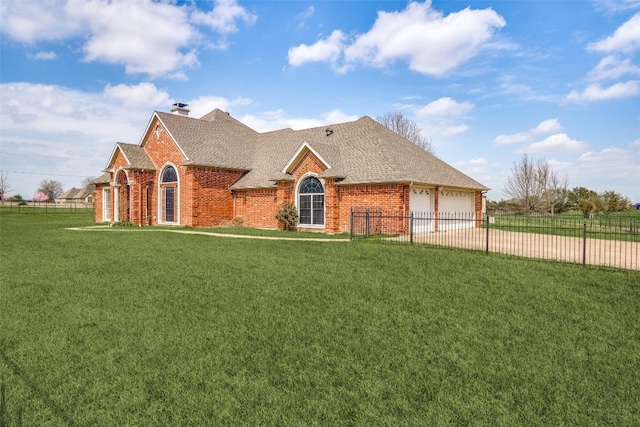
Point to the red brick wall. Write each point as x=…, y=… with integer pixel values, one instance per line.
x=257, y=208
x=99, y=216
x=387, y=198
x=162, y=150
x=207, y=189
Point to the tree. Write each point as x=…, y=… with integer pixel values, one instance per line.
x=407, y=129
x=613, y=201
x=580, y=193
x=535, y=186
x=5, y=186
x=39, y=196
x=51, y=188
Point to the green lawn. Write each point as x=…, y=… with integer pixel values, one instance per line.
x=137, y=327
x=623, y=226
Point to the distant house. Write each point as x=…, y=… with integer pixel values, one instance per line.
x=85, y=196
x=205, y=172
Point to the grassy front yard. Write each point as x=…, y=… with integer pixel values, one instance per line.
x=139, y=327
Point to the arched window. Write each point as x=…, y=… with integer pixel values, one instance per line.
x=169, y=175
x=168, y=187
x=311, y=202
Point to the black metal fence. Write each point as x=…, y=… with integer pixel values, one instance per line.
x=602, y=240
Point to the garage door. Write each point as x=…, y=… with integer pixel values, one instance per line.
x=456, y=210
x=420, y=207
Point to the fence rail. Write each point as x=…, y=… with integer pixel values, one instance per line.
x=605, y=241
x=43, y=207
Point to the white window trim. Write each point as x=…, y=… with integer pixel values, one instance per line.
x=324, y=206
x=161, y=196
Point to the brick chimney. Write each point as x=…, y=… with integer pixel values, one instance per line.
x=180, y=108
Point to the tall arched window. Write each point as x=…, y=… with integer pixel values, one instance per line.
x=168, y=185
x=311, y=202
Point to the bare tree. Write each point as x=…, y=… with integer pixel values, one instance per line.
x=87, y=180
x=51, y=188
x=535, y=185
x=406, y=128
x=5, y=185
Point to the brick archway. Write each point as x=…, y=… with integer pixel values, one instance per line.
x=123, y=194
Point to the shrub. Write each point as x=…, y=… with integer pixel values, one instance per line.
x=287, y=215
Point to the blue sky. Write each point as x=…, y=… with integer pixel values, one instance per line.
x=485, y=80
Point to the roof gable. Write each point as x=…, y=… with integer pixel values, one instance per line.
x=299, y=155
x=135, y=156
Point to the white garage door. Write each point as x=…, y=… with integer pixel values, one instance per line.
x=420, y=207
x=456, y=210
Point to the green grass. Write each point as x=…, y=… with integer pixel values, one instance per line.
x=140, y=327
x=624, y=226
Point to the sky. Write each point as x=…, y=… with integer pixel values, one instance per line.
x=486, y=81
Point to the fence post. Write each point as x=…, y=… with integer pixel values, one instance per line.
x=584, y=243
x=366, y=224
x=411, y=227
x=486, y=218
x=351, y=226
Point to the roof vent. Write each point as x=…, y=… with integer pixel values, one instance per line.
x=180, y=108
x=329, y=131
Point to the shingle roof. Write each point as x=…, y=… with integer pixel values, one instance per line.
x=75, y=193
x=137, y=157
x=217, y=139
x=359, y=152
x=105, y=178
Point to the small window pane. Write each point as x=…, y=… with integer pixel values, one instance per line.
x=169, y=175
x=311, y=185
x=169, y=204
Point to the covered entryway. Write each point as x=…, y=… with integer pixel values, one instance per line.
x=122, y=198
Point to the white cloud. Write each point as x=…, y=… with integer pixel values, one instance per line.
x=547, y=126
x=308, y=13
x=619, y=166
x=119, y=35
x=48, y=129
x=432, y=44
x=544, y=127
x=559, y=142
x=611, y=67
x=143, y=94
x=145, y=36
x=205, y=104
x=595, y=92
x=443, y=129
x=625, y=39
x=279, y=119
x=45, y=56
x=328, y=49
x=445, y=107
x=30, y=21
x=512, y=139
x=224, y=16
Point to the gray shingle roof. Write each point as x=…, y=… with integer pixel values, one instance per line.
x=136, y=156
x=217, y=139
x=105, y=178
x=359, y=152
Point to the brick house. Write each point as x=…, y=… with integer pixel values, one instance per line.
x=205, y=172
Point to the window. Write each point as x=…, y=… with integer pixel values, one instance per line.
x=106, y=204
x=169, y=204
x=169, y=175
x=169, y=192
x=311, y=202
